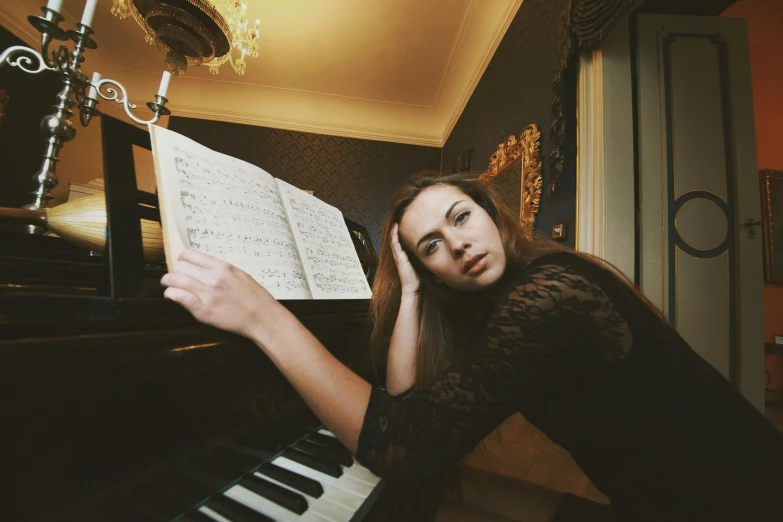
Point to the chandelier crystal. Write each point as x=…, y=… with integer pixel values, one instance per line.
x=195, y=32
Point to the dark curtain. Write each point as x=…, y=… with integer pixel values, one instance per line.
x=585, y=23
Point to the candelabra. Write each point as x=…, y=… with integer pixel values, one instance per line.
x=77, y=90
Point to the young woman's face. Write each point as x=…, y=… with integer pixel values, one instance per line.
x=454, y=238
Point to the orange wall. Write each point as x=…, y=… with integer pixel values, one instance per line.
x=765, y=41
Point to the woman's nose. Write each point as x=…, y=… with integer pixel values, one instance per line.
x=458, y=245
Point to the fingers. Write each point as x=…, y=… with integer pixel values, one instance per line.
x=397, y=251
x=182, y=281
x=394, y=242
x=203, y=275
x=187, y=299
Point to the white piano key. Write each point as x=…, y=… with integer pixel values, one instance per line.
x=286, y=486
x=355, y=487
x=331, y=511
x=311, y=516
x=326, y=432
x=363, y=474
x=343, y=498
x=260, y=504
x=324, y=510
x=213, y=514
x=289, y=464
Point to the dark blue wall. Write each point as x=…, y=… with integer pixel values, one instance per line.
x=515, y=91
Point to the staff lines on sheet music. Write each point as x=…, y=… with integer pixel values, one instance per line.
x=222, y=201
x=323, y=234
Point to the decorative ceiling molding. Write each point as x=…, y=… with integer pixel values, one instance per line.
x=20, y=28
x=315, y=127
x=473, y=30
x=498, y=37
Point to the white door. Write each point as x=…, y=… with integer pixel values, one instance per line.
x=698, y=184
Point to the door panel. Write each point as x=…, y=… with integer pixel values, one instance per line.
x=698, y=180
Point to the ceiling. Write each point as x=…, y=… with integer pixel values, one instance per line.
x=392, y=70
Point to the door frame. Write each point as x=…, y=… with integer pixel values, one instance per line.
x=608, y=198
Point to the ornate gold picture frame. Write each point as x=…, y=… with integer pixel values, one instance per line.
x=526, y=147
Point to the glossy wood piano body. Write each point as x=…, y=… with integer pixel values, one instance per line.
x=117, y=405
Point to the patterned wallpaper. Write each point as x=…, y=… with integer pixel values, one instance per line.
x=359, y=176
x=356, y=176
x=515, y=91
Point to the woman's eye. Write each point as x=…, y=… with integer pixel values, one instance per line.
x=430, y=247
x=462, y=216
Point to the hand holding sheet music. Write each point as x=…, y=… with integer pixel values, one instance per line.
x=292, y=243
x=220, y=294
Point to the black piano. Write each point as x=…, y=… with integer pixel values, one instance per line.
x=118, y=406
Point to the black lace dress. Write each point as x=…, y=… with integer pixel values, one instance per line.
x=656, y=428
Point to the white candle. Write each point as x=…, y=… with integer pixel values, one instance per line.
x=89, y=12
x=55, y=5
x=93, y=92
x=164, y=84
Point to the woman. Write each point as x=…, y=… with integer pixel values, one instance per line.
x=480, y=324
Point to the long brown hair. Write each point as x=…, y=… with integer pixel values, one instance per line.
x=447, y=317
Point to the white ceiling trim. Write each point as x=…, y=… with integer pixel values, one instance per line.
x=21, y=29
x=315, y=127
x=481, y=31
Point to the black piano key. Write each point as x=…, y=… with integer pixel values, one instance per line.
x=328, y=442
x=216, y=467
x=157, y=499
x=235, y=511
x=327, y=453
x=191, y=491
x=274, y=493
x=305, y=485
x=325, y=440
x=333, y=470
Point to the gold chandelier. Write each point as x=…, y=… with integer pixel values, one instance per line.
x=195, y=32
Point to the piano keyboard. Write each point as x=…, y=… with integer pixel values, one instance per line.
x=314, y=480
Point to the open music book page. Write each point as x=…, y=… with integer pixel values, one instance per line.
x=330, y=262
x=292, y=243
x=226, y=208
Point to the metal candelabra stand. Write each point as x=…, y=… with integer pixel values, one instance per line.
x=77, y=90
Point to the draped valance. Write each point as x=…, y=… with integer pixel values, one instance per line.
x=584, y=23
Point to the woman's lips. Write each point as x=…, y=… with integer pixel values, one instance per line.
x=475, y=266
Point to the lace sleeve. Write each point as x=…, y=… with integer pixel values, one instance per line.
x=551, y=320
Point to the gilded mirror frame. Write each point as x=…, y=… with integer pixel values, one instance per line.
x=526, y=147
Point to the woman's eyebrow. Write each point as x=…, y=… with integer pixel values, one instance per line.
x=430, y=234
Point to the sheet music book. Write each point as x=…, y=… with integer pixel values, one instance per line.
x=292, y=243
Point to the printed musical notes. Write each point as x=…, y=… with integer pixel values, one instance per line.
x=232, y=210
x=294, y=244
x=325, y=246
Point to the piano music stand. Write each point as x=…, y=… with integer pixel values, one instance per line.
x=123, y=269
